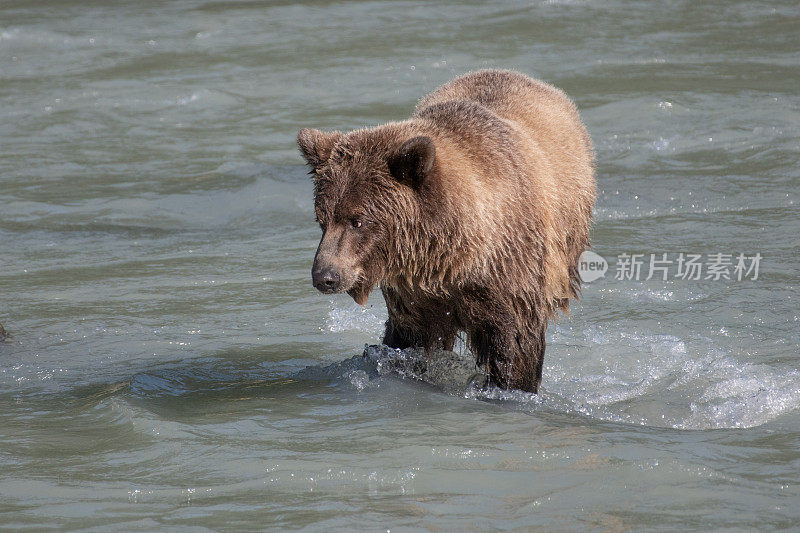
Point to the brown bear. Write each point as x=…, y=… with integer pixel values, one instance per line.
x=471, y=215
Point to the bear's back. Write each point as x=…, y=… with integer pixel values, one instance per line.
x=544, y=112
x=471, y=124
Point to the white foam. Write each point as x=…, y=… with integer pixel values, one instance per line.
x=663, y=380
x=352, y=317
x=617, y=376
x=662, y=145
x=739, y=395
x=358, y=379
x=638, y=377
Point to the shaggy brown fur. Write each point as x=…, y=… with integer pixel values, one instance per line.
x=471, y=215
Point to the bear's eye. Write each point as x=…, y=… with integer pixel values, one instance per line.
x=355, y=222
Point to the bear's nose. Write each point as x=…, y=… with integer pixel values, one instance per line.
x=326, y=280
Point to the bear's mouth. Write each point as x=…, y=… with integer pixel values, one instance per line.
x=331, y=280
x=359, y=292
x=327, y=290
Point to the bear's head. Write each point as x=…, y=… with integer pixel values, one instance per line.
x=367, y=190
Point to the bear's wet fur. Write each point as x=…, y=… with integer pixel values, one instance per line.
x=471, y=215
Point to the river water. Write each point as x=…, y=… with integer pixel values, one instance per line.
x=171, y=364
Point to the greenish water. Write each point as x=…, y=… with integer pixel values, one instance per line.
x=172, y=366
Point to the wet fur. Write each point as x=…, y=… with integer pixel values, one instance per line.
x=487, y=240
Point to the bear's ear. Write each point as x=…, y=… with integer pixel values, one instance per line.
x=316, y=145
x=412, y=161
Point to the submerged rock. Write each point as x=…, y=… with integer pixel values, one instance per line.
x=444, y=369
x=3, y=333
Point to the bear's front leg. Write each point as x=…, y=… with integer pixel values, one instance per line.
x=416, y=321
x=510, y=347
x=400, y=332
x=396, y=336
x=429, y=333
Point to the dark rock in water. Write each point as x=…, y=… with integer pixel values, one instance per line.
x=444, y=369
x=3, y=333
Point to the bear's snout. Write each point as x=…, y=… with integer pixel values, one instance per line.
x=326, y=280
x=336, y=266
